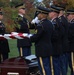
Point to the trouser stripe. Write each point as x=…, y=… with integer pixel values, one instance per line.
x=41, y=63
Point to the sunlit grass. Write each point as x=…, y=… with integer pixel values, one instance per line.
x=14, y=50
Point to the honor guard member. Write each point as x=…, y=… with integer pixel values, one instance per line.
x=42, y=39
x=4, y=47
x=70, y=17
x=58, y=32
x=24, y=45
x=64, y=22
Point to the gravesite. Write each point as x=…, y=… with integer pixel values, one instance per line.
x=36, y=37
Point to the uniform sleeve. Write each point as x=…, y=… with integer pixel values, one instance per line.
x=65, y=23
x=38, y=35
x=61, y=28
x=17, y=25
x=32, y=26
x=2, y=28
x=71, y=31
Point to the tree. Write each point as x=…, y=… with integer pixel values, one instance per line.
x=70, y=3
x=4, y=3
x=13, y=3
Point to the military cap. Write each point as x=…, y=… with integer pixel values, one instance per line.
x=41, y=9
x=54, y=8
x=70, y=11
x=60, y=7
x=20, y=6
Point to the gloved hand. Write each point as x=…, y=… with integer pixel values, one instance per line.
x=30, y=35
x=35, y=20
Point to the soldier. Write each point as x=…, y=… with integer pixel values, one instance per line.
x=42, y=39
x=64, y=22
x=57, y=35
x=70, y=17
x=4, y=47
x=24, y=45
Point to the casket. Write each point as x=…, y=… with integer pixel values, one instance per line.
x=14, y=66
x=33, y=65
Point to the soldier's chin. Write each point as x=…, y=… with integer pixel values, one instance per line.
x=23, y=13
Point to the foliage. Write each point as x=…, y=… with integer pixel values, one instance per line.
x=46, y=2
x=4, y=3
x=70, y=3
x=1, y=4
x=9, y=18
x=13, y=3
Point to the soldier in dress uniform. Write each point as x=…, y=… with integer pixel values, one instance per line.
x=57, y=35
x=4, y=47
x=64, y=22
x=22, y=26
x=70, y=17
x=42, y=39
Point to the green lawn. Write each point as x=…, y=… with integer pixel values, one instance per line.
x=14, y=50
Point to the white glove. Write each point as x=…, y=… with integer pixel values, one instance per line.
x=14, y=33
x=30, y=35
x=35, y=20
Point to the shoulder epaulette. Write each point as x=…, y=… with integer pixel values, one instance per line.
x=20, y=18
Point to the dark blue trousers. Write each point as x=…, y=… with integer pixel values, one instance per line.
x=60, y=65
x=63, y=64
x=3, y=56
x=25, y=50
x=44, y=65
x=56, y=65
x=70, y=62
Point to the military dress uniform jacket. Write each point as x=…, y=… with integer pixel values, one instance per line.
x=42, y=39
x=23, y=28
x=58, y=32
x=65, y=40
x=4, y=47
x=71, y=35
